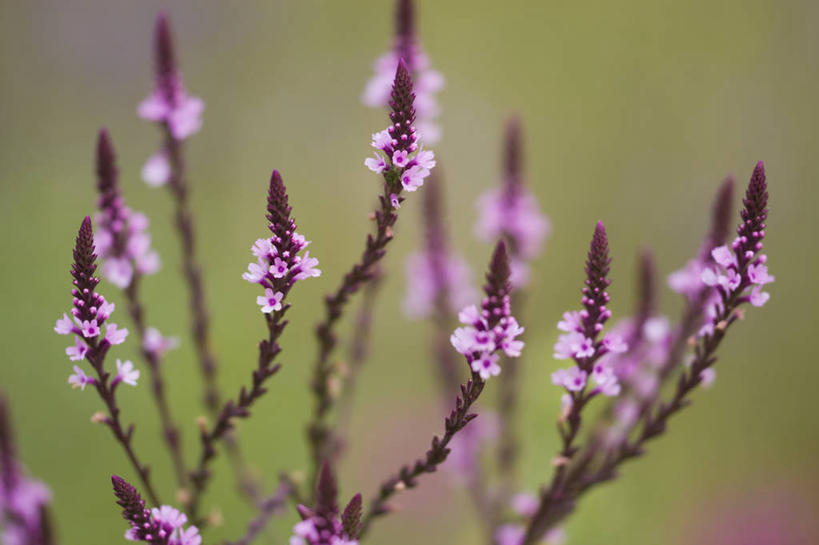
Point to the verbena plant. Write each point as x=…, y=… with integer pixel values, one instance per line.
x=624, y=369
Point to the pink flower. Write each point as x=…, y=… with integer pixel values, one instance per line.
x=126, y=373
x=255, y=272
x=377, y=164
x=687, y=281
x=399, y=158
x=270, y=301
x=724, y=256
x=425, y=159
x=394, y=201
x=118, y=271
x=413, y=177
x=114, y=335
x=570, y=322
x=90, y=329
x=759, y=297
x=155, y=343
x=486, y=366
x=573, y=345
x=525, y=504
x=468, y=340
x=614, y=343
x=65, y=325
x=279, y=268
x=573, y=379
x=306, y=266
x=758, y=274
x=382, y=140
x=79, y=379
x=186, y=119
x=157, y=169
x=707, y=377
x=263, y=248
x=606, y=379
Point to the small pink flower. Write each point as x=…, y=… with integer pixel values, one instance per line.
x=425, y=159
x=126, y=373
x=394, y=201
x=524, y=503
x=114, y=335
x=758, y=274
x=255, y=273
x=79, y=379
x=413, y=177
x=186, y=119
x=573, y=379
x=707, y=377
x=486, y=366
x=724, y=256
x=263, y=247
x=307, y=268
x=90, y=329
x=270, y=301
x=78, y=351
x=279, y=268
x=399, y=158
x=382, y=140
x=573, y=345
x=118, y=271
x=157, y=169
x=759, y=297
x=614, y=343
x=105, y=311
x=570, y=322
x=377, y=164
x=65, y=325
x=155, y=343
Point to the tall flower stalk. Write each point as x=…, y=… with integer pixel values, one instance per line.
x=126, y=256
x=89, y=313
x=179, y=116
x=487, y=332
x=279, y=264
x=734, y=275
x=404, y=166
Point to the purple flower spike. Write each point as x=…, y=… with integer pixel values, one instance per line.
x=512, y=211
x=169, y=105
x=321, y=525
x=123, y=244
x=427, y=81
x=159, y=526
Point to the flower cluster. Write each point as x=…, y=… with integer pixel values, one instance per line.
x=278, y=264
x=427, y=81
x=322, y=525
x=164, y=525
x=168, y=104
x=512, y=211
x=90, y=311
x=401, y=158
x=524, y=505
x=492, y=328
x=122, y=241
x=581, y=329
x=739, y=273
x=23, y=500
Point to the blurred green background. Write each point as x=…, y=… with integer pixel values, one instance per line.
x=634, y=111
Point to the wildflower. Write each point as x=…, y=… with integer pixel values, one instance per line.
x=79, y=379
x=155, y=343
x=126, y=373
x=492, y=328
x=270, y=301
x=428, y=81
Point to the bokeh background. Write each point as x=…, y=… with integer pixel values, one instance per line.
x=634, y=111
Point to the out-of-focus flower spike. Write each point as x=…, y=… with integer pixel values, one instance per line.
x=405, y=36
x=164, y=55
x=646, y=288
x=513, y=152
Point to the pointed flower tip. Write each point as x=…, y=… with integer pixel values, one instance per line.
x=86, y=225
x=326, y=490
x=165, y=62
x=106, y=169
x=499, y=267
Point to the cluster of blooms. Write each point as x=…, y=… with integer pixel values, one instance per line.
x=429, y=275
x=525, y=506
x=168, y=104
x=22, y=499
x=581, y=330
x=512, y=211
x=402, y=156
x=278, y=264
x=427, y=81
x=164, y=525
x=122, y=241
x=492, y=328
x=318, y=530
x=89, y=313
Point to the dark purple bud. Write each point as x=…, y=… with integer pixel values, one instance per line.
x=405, y=31
x=165, y=58
x=595, y=297
x=278, y=210
x=513, y=153
x=351, y=518
x=497, y=285
x=402, y=112
x=7, y=450
x=107, y=174
x=646, y=286
x=135, y=512
x=754, y=214
x=326, y=492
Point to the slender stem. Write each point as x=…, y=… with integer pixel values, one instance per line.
x=268, y=350
x=96, y=357
x=170, y=431
x=407, y=476
x=319, y=432
x=178, y=185
x=268, y=507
